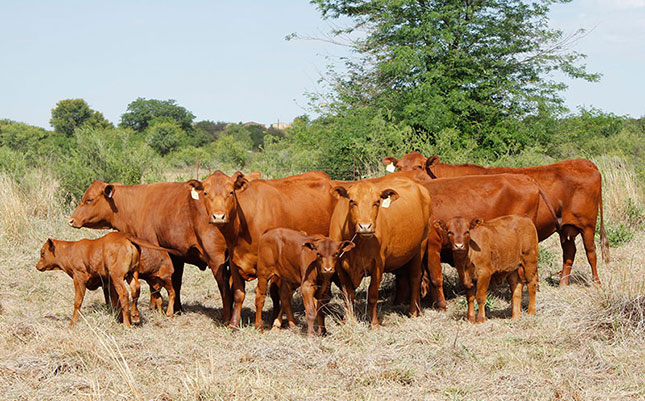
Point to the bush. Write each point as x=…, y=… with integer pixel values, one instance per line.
x=165, y=135
x=106, y=155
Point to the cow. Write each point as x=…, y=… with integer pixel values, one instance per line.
x=166, y=214
x=388, y=220
x=297, y=260
x=243, y=210
x=574, y=185
x=486, y=197
x=111, y=259
x=505, y=247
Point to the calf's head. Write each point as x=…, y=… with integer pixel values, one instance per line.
x=219, y=193
x=328, y=251
x=457, y=230
x=365, y=200
x=48, y=259
x=96, y=208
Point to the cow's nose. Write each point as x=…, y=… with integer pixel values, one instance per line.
x=459, y=245
x=327, y=269
x=218, y=217
x=71, y=222
x=365, y=227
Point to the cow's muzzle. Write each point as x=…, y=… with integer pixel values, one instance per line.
x=72, y=223
x=365, y=229
x=219, y=218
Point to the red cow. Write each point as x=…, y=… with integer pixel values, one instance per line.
x=574, y=185
x=298, y=260
x=243, y=210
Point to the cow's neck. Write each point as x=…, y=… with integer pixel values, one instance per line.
x=67, y=263
x=125, y=210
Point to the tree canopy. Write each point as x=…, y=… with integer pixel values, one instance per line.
x=141, y=111
x=478, y=66
x=70, y=114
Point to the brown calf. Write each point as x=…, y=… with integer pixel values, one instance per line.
x=297, y=260
x=505, y=247
x=95, y=263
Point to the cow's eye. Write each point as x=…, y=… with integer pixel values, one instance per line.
x=418, y=167
x=351, y=202
x=89, y=200
x=449, y=232
x=231, y=193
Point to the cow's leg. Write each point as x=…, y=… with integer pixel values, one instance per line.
x=323, y=296
x=286, y=293
x=135, y=287
x=274, y=290
x=482, y=291
x=372, y=293
x=414, y=274
x=106, y=293
x=170, y=289
x=470, y=296
x=590, y=248
x=177, y=275
x=568, y=241
x=347, y=286
x=260, y=296
x=221, y=274
x=124, y=299
x=79, y=294
x=516, y=291
x=308, y=291
x=155, y=295
x=402, y=288
x=436, y=277
x=238, y=296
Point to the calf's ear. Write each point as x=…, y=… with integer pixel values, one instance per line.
x=339, y=192
x=440, y=226
x=431, y=162
x=346, y=246
x=108, y=191
x=50, y=245
x=240, y=183
x=475, y=222
x=310, y=245
x=390, y=193
x=196, y=184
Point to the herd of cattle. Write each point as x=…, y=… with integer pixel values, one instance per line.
x=308, y=231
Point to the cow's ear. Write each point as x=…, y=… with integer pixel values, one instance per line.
x=108, y=191
x=50, y=245
x=117, y=183
x=339, y=192
x=196, y=184
x=240, y=183
x=390, y=160
x=390, y=193
x=440, y=226
x=346, y=246
x=475, y=222
x=255, y=175
x=310, y=244
x=432, y=161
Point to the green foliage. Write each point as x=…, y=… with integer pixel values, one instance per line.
x=165, y=135
x=476, y=67
x=13, y=163
x=546, y=259
x=188, y=156
x=70, y=114
x=234, y=146
x=619, y=234
x=108, y=155
x=142, y=111
x=212, y=128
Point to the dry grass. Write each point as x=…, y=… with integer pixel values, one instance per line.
x=586, y=343
x=618, y=187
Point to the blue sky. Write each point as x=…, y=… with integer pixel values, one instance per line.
x=229, y=60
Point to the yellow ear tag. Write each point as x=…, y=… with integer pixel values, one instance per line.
x=390, y=168
x=194, y=194
x=386, y=202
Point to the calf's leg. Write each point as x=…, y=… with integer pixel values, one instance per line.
x=308, y=292
x=483, y=281
x=79, y=293
x=516, y=291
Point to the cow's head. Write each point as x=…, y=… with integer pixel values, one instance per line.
x=96, y=208
x=365, y=200
x=328, y=251
x=219, y=193
x=457, y=230
x=48, y=259
x=431, y=165
x=410, y=162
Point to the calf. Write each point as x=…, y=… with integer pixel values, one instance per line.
x=297, y=260
x=95, y=263
x=505, y=247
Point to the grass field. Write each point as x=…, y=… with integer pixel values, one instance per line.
x=585, y=343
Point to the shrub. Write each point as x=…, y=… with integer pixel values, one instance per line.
x=165, y=135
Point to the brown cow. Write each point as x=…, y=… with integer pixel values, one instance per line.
x=388, y=219
x=166, y=214
x=112, y=259
x=243, y=210
x=576, y=185
x=486, y=197
x=505, y=247
x=298, y=260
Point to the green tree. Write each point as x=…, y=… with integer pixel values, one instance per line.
x=212, y=128
x=478, y=66
x=70, y=114
x=165, y=135
x=141, y=111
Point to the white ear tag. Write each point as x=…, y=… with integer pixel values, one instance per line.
x=390, y=168
x=386, y=202
x=194, y=194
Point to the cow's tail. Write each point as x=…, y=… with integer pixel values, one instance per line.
x=143, y=243
x=604, y=243
x=557, y=217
